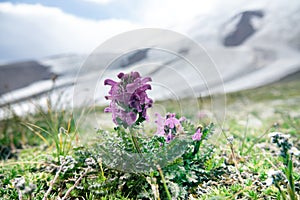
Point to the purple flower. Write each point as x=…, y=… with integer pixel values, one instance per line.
x=129, y=100
x=182, y=119
x=197, y=136
x=171, y=120
x=168, y=126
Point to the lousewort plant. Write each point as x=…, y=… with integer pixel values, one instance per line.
x=173, y=149
x=129, y=103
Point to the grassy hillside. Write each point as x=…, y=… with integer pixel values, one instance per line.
x=44, y=155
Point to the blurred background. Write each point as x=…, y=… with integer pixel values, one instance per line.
x=44, y=43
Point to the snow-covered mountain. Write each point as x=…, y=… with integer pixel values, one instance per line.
x=250, y=45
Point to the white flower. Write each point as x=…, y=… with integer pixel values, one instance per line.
x=279, y=134
x=274, y=176
x=19, y=182
x=272, y=172
x=285, y=136
x=294, y=151
x=269, y=181
x=230, y=139
x=274, y=134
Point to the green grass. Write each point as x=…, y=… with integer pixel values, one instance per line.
x=36, y=141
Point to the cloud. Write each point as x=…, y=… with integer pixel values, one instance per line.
x=99, y=1
x=33, y=31
x=173, y=12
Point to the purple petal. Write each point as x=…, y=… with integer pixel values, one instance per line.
x=172, y=122
x=170, y=115
x=110, y=82
x=108, y=97
x=146, y=79
x=182, y=119
x=145, y=87
x=107, y=109
x=121, y=75
x=197, y=136
x=135, y=75
x=131, y=87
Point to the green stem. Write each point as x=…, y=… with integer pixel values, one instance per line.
x=197, y=147
x=134, y=141
x=101, y=168
x=164, y=182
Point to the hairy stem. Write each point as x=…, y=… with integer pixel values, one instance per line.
x=20, y=194
x=53, y=181
x=76, y=183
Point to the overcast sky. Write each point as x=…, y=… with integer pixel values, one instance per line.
x=32, y=29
